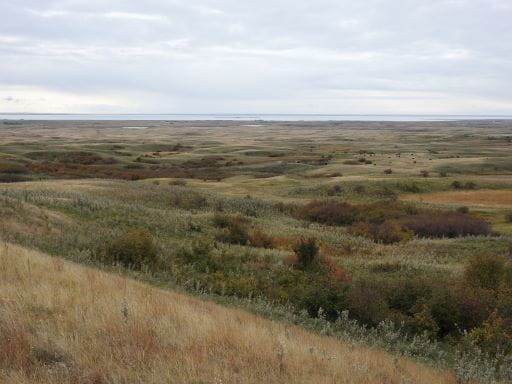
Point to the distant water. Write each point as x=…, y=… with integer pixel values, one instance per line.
x=246, y=117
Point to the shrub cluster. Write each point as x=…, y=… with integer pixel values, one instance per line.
x=233, y=229
x=133, y=249
x=446, y=224
x=259, y=239
x=475, y=308
x=391, y=223
x=306, y=251
x=458, y=185
x=328, y=212
x=388, y=232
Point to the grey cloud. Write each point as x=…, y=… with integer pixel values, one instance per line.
x=280, y=54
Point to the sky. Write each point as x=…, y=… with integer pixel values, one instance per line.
x=265, y=56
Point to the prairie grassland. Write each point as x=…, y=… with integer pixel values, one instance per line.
x=64, y=323
x=219, y=209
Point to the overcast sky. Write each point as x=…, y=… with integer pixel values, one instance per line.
x=265, y=56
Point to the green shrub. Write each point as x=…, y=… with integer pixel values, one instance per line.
x=492, y=337
x=134, y=249
x=318, y=298
x=306, y=251
x=366, y=302
x=445, y=310
x=233, y=235
x=485, y=271
x=508, y=217
x=221, y=220
x=234, y=229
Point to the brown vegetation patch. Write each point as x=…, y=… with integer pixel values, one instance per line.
x=498, y=198
x=117, y=330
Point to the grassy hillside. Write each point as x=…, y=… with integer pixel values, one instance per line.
x=393, y=235
x=65, y=323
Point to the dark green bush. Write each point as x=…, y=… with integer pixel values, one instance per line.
x=221, y=220
x=366, y=302
x=306, y=251
x=134, y=249
x=234, y=229
x=318, y=295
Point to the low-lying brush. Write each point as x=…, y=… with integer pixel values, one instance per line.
x=133, y=249
x=233, y=229
x=328, y=212
x=392, y=223
x=446, y=224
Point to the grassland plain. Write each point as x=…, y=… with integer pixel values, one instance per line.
x=220, y=209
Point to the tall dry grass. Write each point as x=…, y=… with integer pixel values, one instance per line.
x=65, y=323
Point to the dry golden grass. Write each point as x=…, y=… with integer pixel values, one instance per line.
x=492, y=198
x=65, y=323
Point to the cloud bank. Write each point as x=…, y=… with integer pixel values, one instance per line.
x=279, y=56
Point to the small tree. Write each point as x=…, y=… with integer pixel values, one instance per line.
x=307, y=252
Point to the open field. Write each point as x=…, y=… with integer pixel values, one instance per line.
x=63, y=323
x=482, y=198
x=397, y=227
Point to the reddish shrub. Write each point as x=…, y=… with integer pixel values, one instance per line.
x=392, y=231
x=337, y=275
x=328, y=212
x=446, y=224
x=389, y=232
x=260, y=240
